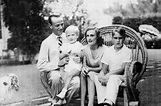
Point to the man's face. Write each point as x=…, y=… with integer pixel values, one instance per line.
x=118, y=40
x=57, y=25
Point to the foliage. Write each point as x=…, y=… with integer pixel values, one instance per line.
x=117, y=20
x=66, y=7
x=74, y=21
x=132, y=10
x=154, y=21
x=73, y=12
x=25, y=23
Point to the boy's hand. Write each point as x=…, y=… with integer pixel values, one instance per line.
x=105, y=79
x=100, y=76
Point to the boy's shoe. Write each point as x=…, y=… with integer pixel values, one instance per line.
x=108, y=102
x=62, y=94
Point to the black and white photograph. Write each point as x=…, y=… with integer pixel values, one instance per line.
x=80, y=52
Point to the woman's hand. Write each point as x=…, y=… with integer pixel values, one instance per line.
x=85, y=70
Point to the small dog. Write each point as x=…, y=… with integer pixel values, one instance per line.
x=8, y=84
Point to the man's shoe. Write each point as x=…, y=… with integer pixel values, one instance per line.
x=104, y=104
x=53, y=101
x=64, y=101
x=62, y=94
x=50, y=99
x=60, y=102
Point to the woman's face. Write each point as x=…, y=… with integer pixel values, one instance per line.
x=91, y=37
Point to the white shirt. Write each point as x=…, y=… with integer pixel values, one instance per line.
x=49, y=53
x=116, y=59
x=74, y=48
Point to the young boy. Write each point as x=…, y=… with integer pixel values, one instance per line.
x=72, y=49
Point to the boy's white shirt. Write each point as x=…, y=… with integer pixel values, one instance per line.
x=116, y=59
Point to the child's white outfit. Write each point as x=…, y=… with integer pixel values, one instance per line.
x=74, y=50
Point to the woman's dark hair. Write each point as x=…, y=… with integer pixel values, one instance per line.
x=100, y=40
x=121, y=31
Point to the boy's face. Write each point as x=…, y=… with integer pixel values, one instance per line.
x=71, y=36
x=118, y=40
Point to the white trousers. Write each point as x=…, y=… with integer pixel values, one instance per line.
x=110, y=91
x=57, y=83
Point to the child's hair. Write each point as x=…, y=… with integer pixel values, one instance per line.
x=72, y=28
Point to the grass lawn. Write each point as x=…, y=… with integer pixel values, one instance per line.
x=30, y=85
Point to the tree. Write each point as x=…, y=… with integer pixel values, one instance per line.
x=26, y=25
x=142, y=8
x=117, y=20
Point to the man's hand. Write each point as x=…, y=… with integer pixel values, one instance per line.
x=63, y=61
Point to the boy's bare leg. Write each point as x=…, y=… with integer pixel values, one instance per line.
x=68, y=76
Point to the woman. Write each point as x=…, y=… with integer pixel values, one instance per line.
x=93, y=53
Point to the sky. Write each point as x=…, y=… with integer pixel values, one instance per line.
x=99, y=4
x=95, y=10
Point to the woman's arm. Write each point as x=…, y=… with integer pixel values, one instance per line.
x=96, y=69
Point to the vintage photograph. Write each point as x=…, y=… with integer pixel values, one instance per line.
x=80, y=52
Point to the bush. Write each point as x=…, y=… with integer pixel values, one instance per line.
x=154, y=21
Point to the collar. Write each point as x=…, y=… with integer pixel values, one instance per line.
x=123, y=47
x=55, y=36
